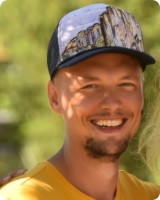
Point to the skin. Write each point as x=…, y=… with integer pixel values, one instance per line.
x=103, y=87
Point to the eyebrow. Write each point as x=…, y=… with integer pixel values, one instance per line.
x=129, y=77
x=90, y=78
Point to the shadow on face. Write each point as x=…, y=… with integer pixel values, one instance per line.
x=103, y=67
x=105, y=89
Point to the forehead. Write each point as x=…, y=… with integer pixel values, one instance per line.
x=102, y=64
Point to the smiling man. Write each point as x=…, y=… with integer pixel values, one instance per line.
x=101, y=98
x=95, y=59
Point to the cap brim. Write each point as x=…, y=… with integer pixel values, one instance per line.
x=144, y=58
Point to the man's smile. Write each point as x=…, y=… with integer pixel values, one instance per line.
x=110, y=124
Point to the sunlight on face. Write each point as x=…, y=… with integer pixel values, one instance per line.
x=76, y=97
x=106, y=88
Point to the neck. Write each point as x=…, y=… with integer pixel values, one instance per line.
x=101, y=181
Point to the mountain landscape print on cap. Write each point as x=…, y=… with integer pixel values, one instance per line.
x=105, y=27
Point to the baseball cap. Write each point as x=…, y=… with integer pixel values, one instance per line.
x=94, y=29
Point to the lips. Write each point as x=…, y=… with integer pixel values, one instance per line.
x=108, y=123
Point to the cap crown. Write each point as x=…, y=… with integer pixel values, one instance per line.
x=97, y=25
x=97, y=28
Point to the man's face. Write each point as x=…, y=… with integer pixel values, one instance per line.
x=101, y=100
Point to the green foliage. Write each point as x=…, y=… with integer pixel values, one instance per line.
x=25, y=31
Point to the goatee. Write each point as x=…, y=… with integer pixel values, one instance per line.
x=105, y=151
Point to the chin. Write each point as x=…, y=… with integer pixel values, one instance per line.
x=105, y=151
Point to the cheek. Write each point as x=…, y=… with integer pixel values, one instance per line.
x=75, y=108
x=66, y=106
x=84, y=103
x=133, y=99
x=135, y=103
x=77, y=105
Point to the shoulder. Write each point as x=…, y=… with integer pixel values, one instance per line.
x=132, y=184
x=26, y=185
x=20, y=193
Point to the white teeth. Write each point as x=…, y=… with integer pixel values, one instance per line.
x=108, y=122
x=101, y=123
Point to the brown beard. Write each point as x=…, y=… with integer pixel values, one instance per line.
x=108, y=151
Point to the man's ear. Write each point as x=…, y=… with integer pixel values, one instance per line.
x=53, y=97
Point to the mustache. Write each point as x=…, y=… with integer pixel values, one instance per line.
x=109, y=114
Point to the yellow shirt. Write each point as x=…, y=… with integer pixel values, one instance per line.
x=44, y=182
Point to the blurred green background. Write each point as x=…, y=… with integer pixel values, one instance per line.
x=29, y=130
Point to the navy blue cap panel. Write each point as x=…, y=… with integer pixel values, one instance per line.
x=53, y=57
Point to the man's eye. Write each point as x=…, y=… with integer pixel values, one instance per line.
x=127, y=84
x=90, y=86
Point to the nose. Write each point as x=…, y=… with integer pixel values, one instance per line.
x=111, y=101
